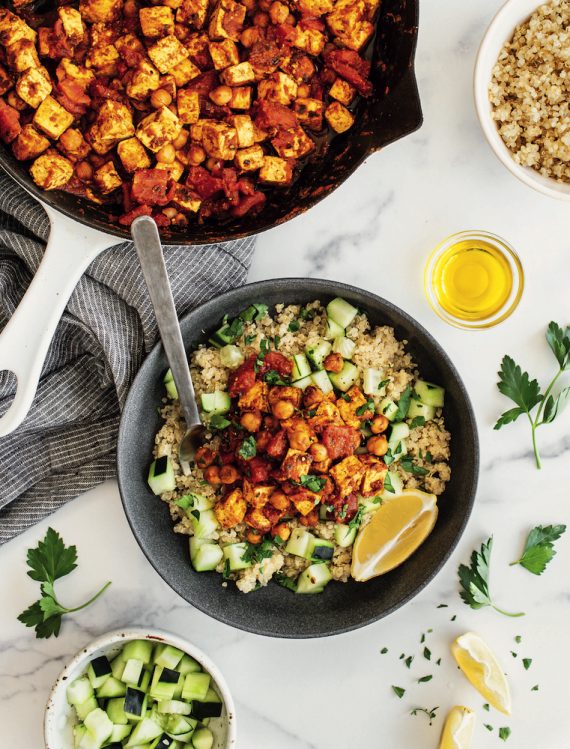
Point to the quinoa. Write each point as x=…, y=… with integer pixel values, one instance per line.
x=530, y=91
x=428, y=445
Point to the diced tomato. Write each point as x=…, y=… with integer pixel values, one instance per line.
x=100, y=91
x=270, y=114
x=259, y=470
x=200, y=180
x=285, y=34
x=340, y=441
x=243, y=378
x=257, y=200
x=72, y=96
x=150, y=186
x=350, y=66
x=230, y=182
x=280, y=363
x=204, y=83
x=277, y=445
x=128, y=218
x=9, y=122
x=161, y=220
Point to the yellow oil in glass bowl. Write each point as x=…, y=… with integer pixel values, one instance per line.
x=474, y=280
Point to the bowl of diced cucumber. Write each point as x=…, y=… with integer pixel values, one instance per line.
x=140, y=689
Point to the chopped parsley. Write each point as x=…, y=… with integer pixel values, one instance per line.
x=535, y=688
x=226, y=572
x=398, y=691
x=357, y=519
x=294, y=326
x=429, y=712
x=218, y=421
x=383, y=384
x=312, y=483
x=518, y=639
x=248, y=448
x=423, y=679
x=383, y=651
x=410, y=467
x=284, y=581
x=257, y=552
x=442, y=606
x=527, y=662
x=408, y=661
x=504, y=733
x=307, y=314
x=368, y=406
x=486, y=707
x=346, y=397
x=247, y=339
x=276, y=342
x=403, y=404
x=417, y=421
x=488, y=727
x=185, y=502
x=388, y=486
x=427, y=654
x=274, y=378
x=195, y=513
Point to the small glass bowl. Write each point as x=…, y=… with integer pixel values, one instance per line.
x=510, y=256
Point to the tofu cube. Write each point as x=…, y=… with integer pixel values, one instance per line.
x=280, y=88
x=101, y=11
x=13, y=29
x=15, y=101
x=310, y=112
x=249, y=159
x=315, y=8
x=342, y=91
x=133, y=155
x=184, y=72
x=29, y=144
x=276, y=171
x=311, y=41
x=350, y=23
x=33, y=86
x=188, y=103
x=51, y=171
x=196, y=130
x=160, y=127
x=145, y=79
x=227, y=20
x=223, y=54
x=5, y=81
x=175, y=170
x=22, y=55
x=243, y=125
x=219, y=140
x=241, y=98
x=51, y=118
x=131, y=50
x=68, y=69
x=107, y=178
x=338, y=117
x=72, y=23
x=193, y=13
x=186, y=199
x=167, y=53
x=74, y=145
x=114, y=123
x=104, y=58
x=156, y=21
x=237, y=75
x=293, y=143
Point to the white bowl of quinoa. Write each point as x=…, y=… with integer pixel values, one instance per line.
x=522, y=92
x=310, y=429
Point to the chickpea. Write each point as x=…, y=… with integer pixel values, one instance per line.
x=253, y=537
x=196, y=155
x=318, y=452
x=334, y=363
x=312, y=396
x=130, y=9
x=378, y=445
x=212, y=475
x=304, y=91
x=283, y=409
x=84, y=170
x=251, y=421
x=204, y=457
x=214, y=165
x=229, y=475
x=379, y=424
x=282, y=531
x=310, y=520
x=279, y=500
x=249, y=4
x=278, y=12
x=170, y=212
x=221, y=95
x=167, y=154
x=261, y=20
x=249, y=37
x=180, y=220
x=181, y=140
x=160, y=98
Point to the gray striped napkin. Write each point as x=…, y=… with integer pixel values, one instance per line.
x=67, y=443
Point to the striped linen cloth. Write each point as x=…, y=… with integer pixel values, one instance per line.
x=67, y=443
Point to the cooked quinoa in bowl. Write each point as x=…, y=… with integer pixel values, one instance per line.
x=314, y=420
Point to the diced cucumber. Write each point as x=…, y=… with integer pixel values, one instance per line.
x=196, y=686
x=188, y=665
x=145, y=731
x=371, y=379
x=253, y=312
x=161, y=476
x=300, y=543
x=301, y=367
x=178, y=690
x=169, y=657
x=99, y=671
x=388, y=408
x=218, y=402
x=175, y=707
x=98, y=725
x=144, y=681
x=318, y=352
x=393, y=485
x=112, y=688
x=165, y=742
x=86, y=707
x=191, y=502
x=234, y=554
x=203, y=738
x=430, y=394
x=314, y=578
x=79, y=691
x=79, y=732
x=135, y=704
x=303, y=383
x=333, y=330
x=164, y=683
x=344, y=346
x=320, y=550
x=322, y=381
x=399, y=431
x=116, y=711
x=118, y=734
x=180, y=727
x=88, y=741
x=231, y=356
x=341, y=312
x=170, y=385
x=205, y=555
x=369, y=504
x=417, y=408
x=398, y=449
x=209, y=707
x=141, y=650
x=118, y=666
x=346, y=378
x=204, y=523
x=344, y=535
x=132, y=672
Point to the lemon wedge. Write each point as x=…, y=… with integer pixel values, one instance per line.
x=458, y=729
x=480, y=666
x=396, y=530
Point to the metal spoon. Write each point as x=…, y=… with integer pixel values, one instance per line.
x=147, y=244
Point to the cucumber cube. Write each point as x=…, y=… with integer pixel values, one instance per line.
x=301, y=367
x=118, y=666
x=430, y=394
x=317, y=353
x=371, y=379
x=388, y=408
x=344, y=535
x=119, y=733
x=79, y=691
x=111, y=688
x=161, y=476
x=333, y=330
x=346, y=378
x=116, y=711
x=205, y=556
x=145, y=731
x=98, y=725
x=204, y=523
x=344, y=346
x=196, y=686
x=322, y=381
x=303, y=382
x=203, y=738
x=170, y=657
x=341, y=312
x=170, y=385
x=86, y=707
x=417, y=408
x=393, y=485
x=314, y=578
x=234, y=554
x=141, y=650
x=300, y=543
x=188, y=665
x=218, y=402
x=99, y=671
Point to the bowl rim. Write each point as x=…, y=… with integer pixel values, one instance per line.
x=326, y=286
x=501, y=26
x=142, y=633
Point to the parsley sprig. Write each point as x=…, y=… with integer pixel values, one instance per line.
x=526, y=394
x=539, y=548
x=49, y=561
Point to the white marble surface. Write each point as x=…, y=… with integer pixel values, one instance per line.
x=375, y=232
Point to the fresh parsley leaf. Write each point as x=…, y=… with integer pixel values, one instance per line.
x=535, y=688
x=272, y=377
x=417, y=421
x=515, y=655
x=383, y=383
x=357, y=519
x=423, y=679
x=442, y=606
x=398, y=691
x=284, y=581
x=408, y=661
x=227, y=571
x=218, y=421
x=312, y=483
x=48, y=562
x=559, y=341
x=368, y=406
x=527, y=663
x=430, y=712
x=388, y=458
x=257, y=552
x=475, y=580
x=403, y=404
x=517, y=385
x=383, y=651
x=554, y=406
x=427, y=654
x=410, y=467
x=307, y=314
x=248, y=448
x=294, y=326
x=247, y=339
x=276, y=342
x=504, y=733
x=195, y=513
x=539, y=548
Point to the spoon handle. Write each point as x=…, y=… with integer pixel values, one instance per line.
x=147, y=243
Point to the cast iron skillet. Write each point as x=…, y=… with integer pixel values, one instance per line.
x=273, y=610
x=392, y=112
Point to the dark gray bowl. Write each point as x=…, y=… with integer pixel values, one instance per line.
x=273, y=610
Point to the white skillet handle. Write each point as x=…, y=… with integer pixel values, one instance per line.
x=25, y=340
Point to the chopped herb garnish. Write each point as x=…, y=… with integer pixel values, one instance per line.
x=284, y=581
x=409, y=466
x=368, y=406
x=357, y=519
x=185, y=502
x=257, y=552
x=423, y=679
x=312, y=483
x=248, y=448
x=518, y=638
x=294, y=326
x=195, y=513
x=226, y=572
x=442, y=606
x=218, y=421
x=276, y=341
x=408, y=661
x=346, y=397
x=388, y=458
x=486, y=707
x=247, y=339
x=427, y=654
x=429, y=712
x=403, y=655
x=535, y=688
x=504, y=733
x=388, y=485
x=417, y=421
x=383, y=651
x=307, y=314
x=428, y=457
x=515, y=655
x=312, y=412
x=399, y=691
x=438, y=662
x=403, y=404
x=453, y=618
x=539, y=548
x=422, y=639
x=488, y=727
x=527, y=662
x=383, y=384
x=274, y=378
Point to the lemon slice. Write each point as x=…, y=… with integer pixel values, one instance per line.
x=396, y=530
x=483, y=670
x=458, y=729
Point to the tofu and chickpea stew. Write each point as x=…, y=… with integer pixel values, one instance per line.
x=315, y=423
x=148, y=695
x=181, y=109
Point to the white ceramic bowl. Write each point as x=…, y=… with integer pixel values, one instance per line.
x=60, y=718
x=500, y=31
